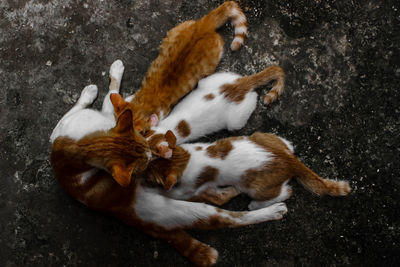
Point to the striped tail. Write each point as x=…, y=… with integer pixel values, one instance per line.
x=218, y=17
x=273, y=73
x=318, y=185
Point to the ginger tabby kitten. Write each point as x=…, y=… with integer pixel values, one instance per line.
x=94, y=138
x=189, y=52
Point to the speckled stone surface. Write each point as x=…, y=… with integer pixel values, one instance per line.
x=341, y=110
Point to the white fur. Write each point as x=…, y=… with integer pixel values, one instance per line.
x=152, y=207
x=87, y=174
x=244, y=155
x=238, y=18
x=80, y=121
x=240, y=30
x=208, y=116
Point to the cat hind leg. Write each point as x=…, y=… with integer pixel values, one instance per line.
x=286, y=192
x=216, y=195
x=116, y=71
x=88, y=95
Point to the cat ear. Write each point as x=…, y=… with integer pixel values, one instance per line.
x=124, y=122
x=154, y=120
x=170, y=181
x=170, y=138
x=121, y=175
x=118, y=102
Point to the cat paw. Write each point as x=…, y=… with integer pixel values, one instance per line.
x=117, y=70
x=88, y=95
x=278, y=210
x=205, y=256
x=164, y=150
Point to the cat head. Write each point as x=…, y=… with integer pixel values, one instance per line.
x=121, y=151
x=141, y=121
x=160, y=144
x=167, y=172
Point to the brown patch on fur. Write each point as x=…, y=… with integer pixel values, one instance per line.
x=198, y=148
x=167, y=172
x=209, y=97
x=149, y=133
x=207, y=175
x=220, y=149
x=183, y=128
x=216, y=196
x=154, y=140
x=236, y=92
x=267, y=182
x=114, y=85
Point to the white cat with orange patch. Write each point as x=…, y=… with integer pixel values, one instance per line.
x=259, y=165
x=220, y=101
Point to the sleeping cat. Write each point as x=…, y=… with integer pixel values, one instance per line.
x=82, y=166
x=189, y=52
x=220, y=101
x=259, y=165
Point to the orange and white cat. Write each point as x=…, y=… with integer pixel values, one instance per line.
x=189, y=52
x=259, y=165
x=221, y=101
x=94, y=138
x=83, y=162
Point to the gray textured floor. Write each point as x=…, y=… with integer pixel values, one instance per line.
x=340, y=109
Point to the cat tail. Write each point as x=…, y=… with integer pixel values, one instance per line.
x=318, y=185
x=218, y=17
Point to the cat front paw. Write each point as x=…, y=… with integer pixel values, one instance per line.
x=278, y=210
x=117, y=70
x=204, y=256
x=88, y=95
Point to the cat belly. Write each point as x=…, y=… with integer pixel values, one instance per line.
x=82, y=123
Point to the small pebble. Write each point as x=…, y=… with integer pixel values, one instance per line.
x=130, y=22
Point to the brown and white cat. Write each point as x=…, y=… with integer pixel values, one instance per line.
x=83, y=166
x=259, y=165
x=93, y=138
x=189, y=52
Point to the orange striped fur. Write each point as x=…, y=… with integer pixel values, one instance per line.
x=189, y=52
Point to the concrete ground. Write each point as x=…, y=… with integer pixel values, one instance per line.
x=340, y=109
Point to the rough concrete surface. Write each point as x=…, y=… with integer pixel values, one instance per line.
x=340, y=109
